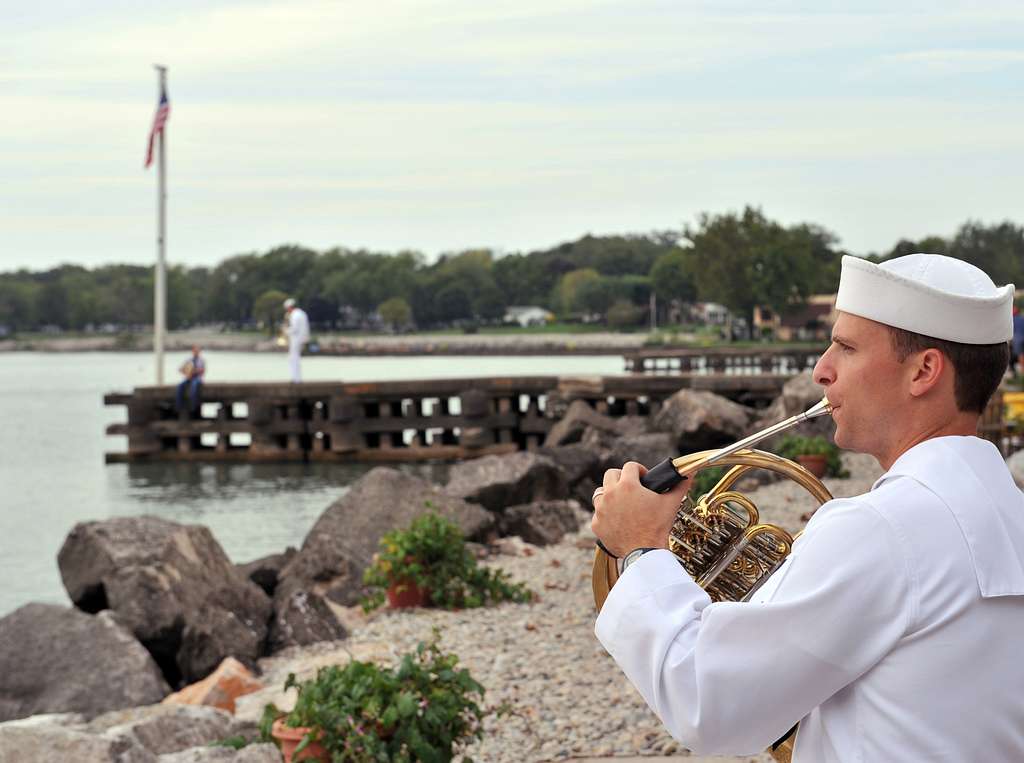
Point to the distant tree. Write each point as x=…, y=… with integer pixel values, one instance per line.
x=572, y=285
x=929, y=245
x=268, y=309
x=624, y=314
x=672, y=276
x=453, y=302
x=746, y=260
x=524, y=279
x=827, y=260
x=18, y=303
x=595, y=295
x=396, y=313
x=459, y=287
x=997, y=249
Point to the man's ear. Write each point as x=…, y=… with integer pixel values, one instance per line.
x=927, y=370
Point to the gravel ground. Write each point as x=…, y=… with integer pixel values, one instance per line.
x=568, y=698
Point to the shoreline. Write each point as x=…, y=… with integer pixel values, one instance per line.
x=598, y=343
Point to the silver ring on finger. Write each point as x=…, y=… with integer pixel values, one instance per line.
x=598, y=492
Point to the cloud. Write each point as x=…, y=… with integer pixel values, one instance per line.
x=952, y=61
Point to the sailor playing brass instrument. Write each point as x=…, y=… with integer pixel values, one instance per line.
x=889, y=631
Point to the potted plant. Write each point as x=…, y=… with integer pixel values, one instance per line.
x=423, y=709
x=429, y=559
x=816, y=454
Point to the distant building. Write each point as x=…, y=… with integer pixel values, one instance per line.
x=811, y=322
x=528, y=315
x=710, y=313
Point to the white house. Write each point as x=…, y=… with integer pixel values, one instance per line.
x=528, y=315
x=711, y=313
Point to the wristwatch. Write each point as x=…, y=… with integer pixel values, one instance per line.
x=632, y=556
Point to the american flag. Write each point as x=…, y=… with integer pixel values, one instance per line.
x=163, y=110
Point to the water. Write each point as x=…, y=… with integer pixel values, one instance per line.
x=52, y=441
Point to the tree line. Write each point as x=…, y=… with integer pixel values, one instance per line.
x=736, y=259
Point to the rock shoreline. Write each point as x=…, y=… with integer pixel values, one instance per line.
x=600, y=343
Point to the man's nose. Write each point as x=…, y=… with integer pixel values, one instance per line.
x=823, y=373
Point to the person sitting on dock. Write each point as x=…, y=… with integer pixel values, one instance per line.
x=193, y=370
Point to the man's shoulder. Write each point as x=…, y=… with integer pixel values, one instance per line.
x=890, y=509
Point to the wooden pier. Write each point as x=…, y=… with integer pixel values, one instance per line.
x=391, y=421
x=728, y=361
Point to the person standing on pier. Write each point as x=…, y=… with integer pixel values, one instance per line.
x=298, y=335
x=193, y=370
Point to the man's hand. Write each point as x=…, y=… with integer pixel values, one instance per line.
x=627, y=515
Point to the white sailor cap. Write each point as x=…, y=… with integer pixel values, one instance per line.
x=931, y=294
x=289, y=303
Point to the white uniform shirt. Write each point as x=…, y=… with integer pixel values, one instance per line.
x=894, y=630
x=298, y=327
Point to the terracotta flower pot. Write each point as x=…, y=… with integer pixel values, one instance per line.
x=289, y=739
x=405, y=593
x=816, y=463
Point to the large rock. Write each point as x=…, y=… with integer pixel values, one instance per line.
x=340, y=545
x=136, y=735
x=265, y=571
x=580, y=416
x=57, y=659
x=170, y=728
x=220, y=689
x=254, y=753
x=698, y=420
x=497, y=482
x=215, y=631
x=47, y=739
x=165, y=581
x=581, y=465
x=647, y=449
x=542, y=523
x=300, y=618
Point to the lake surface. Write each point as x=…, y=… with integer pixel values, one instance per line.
x=52, y=441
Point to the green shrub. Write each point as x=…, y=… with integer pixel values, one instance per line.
x=432, y=553
x=423, y=709
x=793, y=445
x=706, y=479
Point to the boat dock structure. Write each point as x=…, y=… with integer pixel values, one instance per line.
x=413, y=420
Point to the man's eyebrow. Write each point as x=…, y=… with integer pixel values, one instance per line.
x=839, y=339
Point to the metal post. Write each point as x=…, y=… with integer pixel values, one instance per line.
x=159, y=281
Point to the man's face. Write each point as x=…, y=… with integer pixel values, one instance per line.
x=865, y=384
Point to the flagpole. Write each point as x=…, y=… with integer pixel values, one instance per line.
x=159, y=281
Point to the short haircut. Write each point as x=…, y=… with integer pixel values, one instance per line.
x=977, y=368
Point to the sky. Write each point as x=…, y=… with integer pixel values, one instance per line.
x=444, y=125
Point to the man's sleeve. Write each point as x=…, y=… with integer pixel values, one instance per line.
x=733, y=677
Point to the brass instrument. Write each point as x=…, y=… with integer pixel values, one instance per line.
x=282, y=336
x=718, y=537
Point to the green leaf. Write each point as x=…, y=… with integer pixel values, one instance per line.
x=406, y=704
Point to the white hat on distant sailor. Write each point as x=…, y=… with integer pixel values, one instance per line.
x=931, y=294
x=289, y=303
